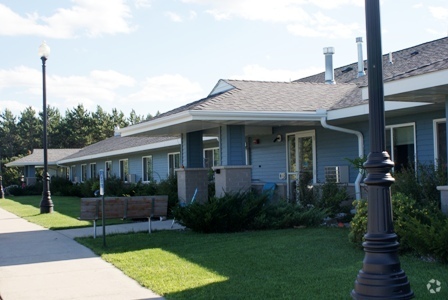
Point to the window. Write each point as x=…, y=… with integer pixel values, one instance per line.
x=147, y=168
x=93, y=170
x=124, y=170
x=400, y=144
x=83, y=173
x=440, y=153
x=173, y=162
x=108, y=168
x=211, y=157
x=73, y=173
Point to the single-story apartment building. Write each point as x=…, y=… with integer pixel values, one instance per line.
x=258, y=132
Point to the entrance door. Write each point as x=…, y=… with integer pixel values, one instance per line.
x=301, y=163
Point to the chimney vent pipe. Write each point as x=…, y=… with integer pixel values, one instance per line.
x=361, y=71
x=329, y=71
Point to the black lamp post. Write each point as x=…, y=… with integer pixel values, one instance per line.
x=46, y=204
x=381, y=276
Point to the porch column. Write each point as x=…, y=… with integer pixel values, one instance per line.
x=233, y=175
x=192, y=176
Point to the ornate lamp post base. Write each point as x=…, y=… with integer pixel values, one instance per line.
x=46, y=204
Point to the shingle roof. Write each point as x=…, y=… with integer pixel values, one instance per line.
x=271, y=96
x=37, y=157
x=117, y=143
x=420, y=59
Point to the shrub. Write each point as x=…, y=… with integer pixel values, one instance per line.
x=246, y=211
x=282, y=215
x=421, y=229
x=358, y=225
x=332, y=196
x=230, y=213
x=168, y=187
x=421, y=186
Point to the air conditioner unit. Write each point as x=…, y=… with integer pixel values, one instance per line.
x=338, y=174
x=131, y=178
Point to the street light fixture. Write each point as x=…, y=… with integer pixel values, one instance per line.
x=381, y=276
x=46, y=204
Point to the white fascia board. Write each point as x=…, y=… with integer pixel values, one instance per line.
x=410, y=84
x=175, y=142
x=158, y=123
x=23, y=164
x=363, y=109
x=210, y=115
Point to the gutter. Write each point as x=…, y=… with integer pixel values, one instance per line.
x=323, y=122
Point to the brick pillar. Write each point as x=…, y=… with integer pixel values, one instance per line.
x=232, y=179
x=188, y=180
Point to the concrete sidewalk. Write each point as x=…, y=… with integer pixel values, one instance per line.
x=37, y=263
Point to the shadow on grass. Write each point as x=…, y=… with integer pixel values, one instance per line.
x=314, y=263
x=283, y=264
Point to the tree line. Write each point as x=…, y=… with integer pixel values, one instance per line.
x=78, y=128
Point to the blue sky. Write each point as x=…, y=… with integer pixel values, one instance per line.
x=155, y=55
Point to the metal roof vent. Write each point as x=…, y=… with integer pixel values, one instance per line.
x=329, y=71
x=117, y=131
x=360, y=58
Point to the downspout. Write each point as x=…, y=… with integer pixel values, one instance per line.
x=323, y=122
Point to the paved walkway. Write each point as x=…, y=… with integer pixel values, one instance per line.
x=37, y=263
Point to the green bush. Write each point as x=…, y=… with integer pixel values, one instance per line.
x=246, y=211
x=421, y=186
x=168, y=187
x=282, y=215
x=332, y=196
x=230, y=213
x=421, y=229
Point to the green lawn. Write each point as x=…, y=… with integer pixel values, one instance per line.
x=65, y=215
x=315, y=263
x=66, y=211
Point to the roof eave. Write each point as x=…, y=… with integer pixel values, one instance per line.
x=218, y=115
x=165, y=144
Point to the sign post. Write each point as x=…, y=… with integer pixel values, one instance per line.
x=103, y=218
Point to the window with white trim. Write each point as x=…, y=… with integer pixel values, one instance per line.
x=93, y=170
x=83, y=172
x=211, y=157
x=440, y=151
x=124, y=169
x=400, y=144
x=73, y=173
x=173, y=162
x=147, y=168
x=108, y=168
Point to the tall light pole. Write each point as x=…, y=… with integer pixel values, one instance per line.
x=381, y=276
x=46, y=204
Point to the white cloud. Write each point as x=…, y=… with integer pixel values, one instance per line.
x=257, y=72
x=440, y=13
x=142, y=3
x=165, y=92
x=91, y=18
x=173, y=16
x=98, y=88
x=302, y=17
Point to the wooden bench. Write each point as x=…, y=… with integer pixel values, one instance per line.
x=124, y=208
